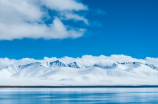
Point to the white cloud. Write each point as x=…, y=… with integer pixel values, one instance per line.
x=75, y=17
x=86, y=60
x=23, y=19
x=62, y=5
x=6, y=61
x=152, y=61
x=56, y=30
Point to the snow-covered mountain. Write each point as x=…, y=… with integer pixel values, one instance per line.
x=73, y=65
x=80, y=72
x=56, y=64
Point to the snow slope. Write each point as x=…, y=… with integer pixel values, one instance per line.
x=92, y=70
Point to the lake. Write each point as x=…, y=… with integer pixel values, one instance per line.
x=79, y=95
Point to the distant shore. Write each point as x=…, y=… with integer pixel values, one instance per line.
x=74, y=86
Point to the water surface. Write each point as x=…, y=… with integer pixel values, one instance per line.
x=87, y=95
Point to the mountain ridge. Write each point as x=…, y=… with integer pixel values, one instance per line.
x=59, y=64
x=73, y=73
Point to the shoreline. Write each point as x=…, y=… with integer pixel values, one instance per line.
x=74, y=86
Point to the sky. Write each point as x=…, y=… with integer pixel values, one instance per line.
x=57, y=28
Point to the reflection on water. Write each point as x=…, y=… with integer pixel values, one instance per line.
x=102, y=95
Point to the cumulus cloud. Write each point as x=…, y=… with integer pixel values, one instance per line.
x=86, y=60
x=152, y=60
x=75, y=17
x=25, y=19
x=62, y=5
x=6, y=61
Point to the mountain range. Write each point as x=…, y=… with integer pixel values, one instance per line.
x=58, y=73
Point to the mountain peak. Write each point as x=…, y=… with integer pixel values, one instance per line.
x=28, y=65
x=73, y=65
x=106, y=67
x=129, y=63
x=56, y=64
x=152, y=66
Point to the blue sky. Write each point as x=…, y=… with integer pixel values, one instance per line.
x=128, y=27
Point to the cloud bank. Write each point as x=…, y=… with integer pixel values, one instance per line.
x=85, y=60
x=29, y=19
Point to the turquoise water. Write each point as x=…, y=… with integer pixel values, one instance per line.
x=88, y=95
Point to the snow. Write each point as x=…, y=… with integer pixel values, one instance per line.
x=88, y=70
